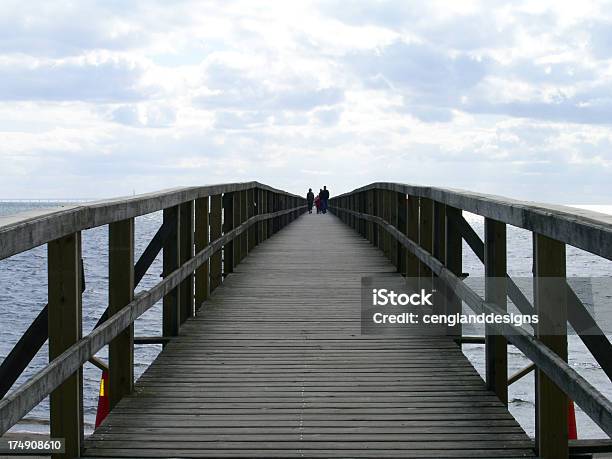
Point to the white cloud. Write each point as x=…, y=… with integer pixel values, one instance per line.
x=99, y=98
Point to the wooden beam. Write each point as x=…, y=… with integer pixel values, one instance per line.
x=580, y=228
x=22, y=400
x=393, y=214
x=253, y=208
x=237, y=220
x=186, y=299
x=170, y=259
x=228, y=224
x=412, y=232
x=551, y=307
x=496, y=358
x=402, y=224
x=120, y=294
x=31, y=229
x=454, y=262
x=592, y=401
x=244, y=211
x=201, y=237
x=66, y=329
x=579, y=317
x=216, y=230
x=439, y=251
x=426, y=215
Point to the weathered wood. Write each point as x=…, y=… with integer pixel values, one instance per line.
x=253, y=209
x=22, y=400
x=216, y=229
x=412, y=232
x=592, y=402
x=579, y=317
x=293, y=375
x=520, y=373
x=31, y=229
x=202, y=283
x=439, y=251
x=551, y=307
x=24, y=351
x=454, y=263
x=495, y=261
x=229, y=222
x=65, y=329
x=402, y=224
x=426, y=241
x=244, y=210
x=393, y=219
x=186, y=228
x=120, y=294
x=170, y=259
x=36, y=335
x=581, y=228
x=237, y=220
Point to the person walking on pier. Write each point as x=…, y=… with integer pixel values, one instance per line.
x=317, y=202
x=324, y=198
x=310, y=200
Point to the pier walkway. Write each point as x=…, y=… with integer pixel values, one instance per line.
x=261, y=325
x=274, y=365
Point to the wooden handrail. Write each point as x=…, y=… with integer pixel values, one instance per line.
x=585, y=229
x=351, y=211
x=20, y=402
x=22, y=232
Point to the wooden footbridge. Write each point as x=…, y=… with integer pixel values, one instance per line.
x=263, y=354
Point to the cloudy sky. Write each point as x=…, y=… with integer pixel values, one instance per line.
x=104, y=98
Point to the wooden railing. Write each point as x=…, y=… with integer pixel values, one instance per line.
x=421, y=230
x=205, y=234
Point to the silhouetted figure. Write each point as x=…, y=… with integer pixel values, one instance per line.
x=324, y=198
x=317, y=202
x=310, y=200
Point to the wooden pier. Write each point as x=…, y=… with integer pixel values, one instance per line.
x=274, y=365
x=265, y=358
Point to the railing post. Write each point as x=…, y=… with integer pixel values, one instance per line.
x=425, y=235
x=453, y=262
x=439, y=251
x=120, y=293
x=376, y=212
x=201, y=241
x=171, y=261
x=257, y=211
x=237, y=206
x=495, y=263
x=386, y=217
x=551, y=307
x=393, y=215
x=401, y=226
x=412, y=231
x=216, y=230
x=370, y=211
x=244, y=237
x=363, y=210
x=270, y=208
x=252, y=209
x=228, y=224
x=265, y=210
x=65, y=329
x=186, y=299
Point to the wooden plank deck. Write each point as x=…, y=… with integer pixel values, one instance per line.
x=275, y=366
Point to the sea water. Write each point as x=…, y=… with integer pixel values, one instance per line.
x=23, y=293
